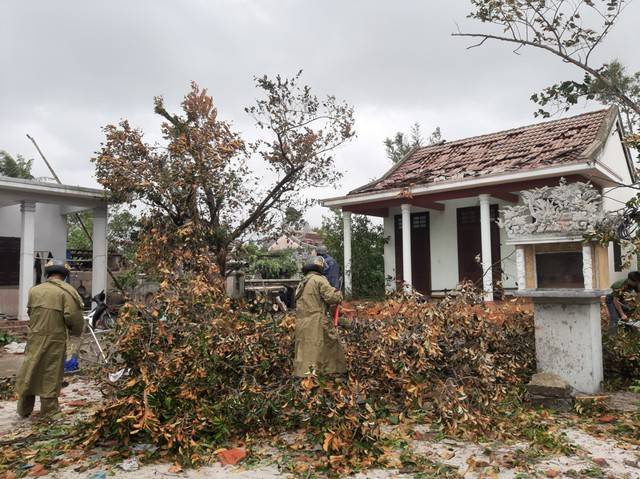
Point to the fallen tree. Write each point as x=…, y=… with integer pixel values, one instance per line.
x=202, y=370
x=204, y=172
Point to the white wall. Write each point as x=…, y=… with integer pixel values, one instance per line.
x=614, y=158
x=444, y=245
x=51, y=227
x=51, y=235
x=10, y=221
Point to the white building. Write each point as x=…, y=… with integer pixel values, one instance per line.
x=33, y=226
x=439, y=204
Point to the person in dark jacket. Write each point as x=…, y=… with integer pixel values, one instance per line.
x=55, y=311
x=331, y=267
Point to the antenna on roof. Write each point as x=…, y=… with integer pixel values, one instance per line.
x=45, y=159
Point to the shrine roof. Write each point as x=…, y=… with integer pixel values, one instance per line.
x=552, y=143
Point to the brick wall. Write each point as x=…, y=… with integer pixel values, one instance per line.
x=19, y=329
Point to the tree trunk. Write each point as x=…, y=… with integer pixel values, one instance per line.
x=221, y=259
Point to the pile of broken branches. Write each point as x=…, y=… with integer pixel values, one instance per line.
x=203, y=370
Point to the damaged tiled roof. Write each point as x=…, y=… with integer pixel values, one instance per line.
x=552, y=143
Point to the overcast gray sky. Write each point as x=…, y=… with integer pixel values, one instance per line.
x=69, y=67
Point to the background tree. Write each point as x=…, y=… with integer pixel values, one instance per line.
x=401, y=144
x=274, y=265
x=367, y=246
x=76, y=237
x=293, y=219
x=18, y=167
x=572, y=31
x=200, y=175
x=122, y=231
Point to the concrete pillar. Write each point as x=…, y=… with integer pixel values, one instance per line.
x=485, y=234
x=99, y=271
x=568, y=336
x=390, y=253
x=348, y=285
x=520, y=267
x=587, y=266
x=27, y=248
x=406, y=246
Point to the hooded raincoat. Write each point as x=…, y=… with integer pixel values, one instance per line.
x=316, y=339
x=55, y=310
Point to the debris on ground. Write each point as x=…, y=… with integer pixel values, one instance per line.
x=15, y=347
x=7, y=388
x=205, y=376
x=130, y=464
x=194, y=384
x=231, y=457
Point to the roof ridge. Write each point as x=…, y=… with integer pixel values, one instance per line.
x=511, y=130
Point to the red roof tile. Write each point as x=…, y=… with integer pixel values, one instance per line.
x=551, y=143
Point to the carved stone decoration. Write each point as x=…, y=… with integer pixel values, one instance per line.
x=569, y=210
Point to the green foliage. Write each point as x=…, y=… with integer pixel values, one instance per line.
x=293, y=218
x=572, y=31
x=6, y=338
x=268, y=265
x=622, y=356
x=273, y=266
x=612, y=81
x=401, y=144
x=76, y=237
x=18, y=167
x=129, y=279
x=122, y=232
x=367, y=250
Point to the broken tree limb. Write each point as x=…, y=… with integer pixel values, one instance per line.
x=30, y=439
x=116, y=283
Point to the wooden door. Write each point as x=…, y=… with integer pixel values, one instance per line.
x=9, y=261
x=470, y=245
x=420, y=252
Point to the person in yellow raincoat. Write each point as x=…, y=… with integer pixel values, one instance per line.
x=55, y=311
x=317, y=345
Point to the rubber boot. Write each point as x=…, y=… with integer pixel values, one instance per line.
x=25, y=405
x=49, y=407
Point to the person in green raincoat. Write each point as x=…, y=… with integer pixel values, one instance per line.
x=55, y=311
x=317, y=345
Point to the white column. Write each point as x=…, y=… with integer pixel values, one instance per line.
x=485, y=234
x=27, y=248
x=406, y=246
x=346, y=219
x=587, y=266
x=99, y=270
x=389, y=253
x=520, y=267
